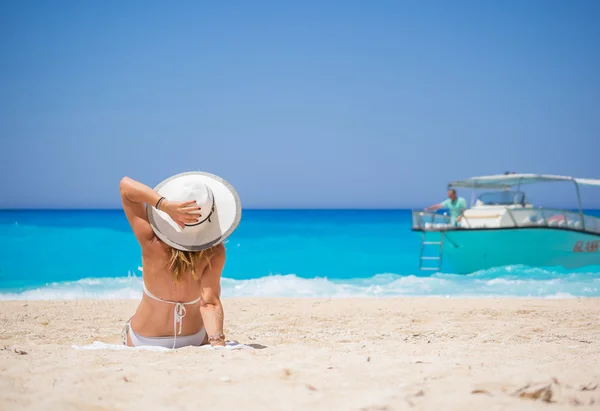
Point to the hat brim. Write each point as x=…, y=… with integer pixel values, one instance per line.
x=225, y=219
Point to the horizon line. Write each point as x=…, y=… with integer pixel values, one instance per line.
x=269, y=209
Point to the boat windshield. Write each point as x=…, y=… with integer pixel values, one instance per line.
x=502, y=198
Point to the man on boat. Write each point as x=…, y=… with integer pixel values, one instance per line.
x=456, y=205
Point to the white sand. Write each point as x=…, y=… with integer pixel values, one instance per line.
x=353, y=354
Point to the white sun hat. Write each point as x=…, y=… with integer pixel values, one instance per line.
x=220, y=209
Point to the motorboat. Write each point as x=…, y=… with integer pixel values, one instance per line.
x=501, y=228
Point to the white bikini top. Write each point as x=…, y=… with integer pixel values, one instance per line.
x=179, y=311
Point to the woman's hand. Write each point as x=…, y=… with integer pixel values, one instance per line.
x=182, y=213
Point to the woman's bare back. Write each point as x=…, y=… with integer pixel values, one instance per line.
x=154, y=318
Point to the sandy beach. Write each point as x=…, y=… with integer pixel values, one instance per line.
x=318, y=354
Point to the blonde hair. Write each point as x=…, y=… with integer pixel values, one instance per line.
x=183, y=261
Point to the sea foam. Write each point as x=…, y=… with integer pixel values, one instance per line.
x=514, y=281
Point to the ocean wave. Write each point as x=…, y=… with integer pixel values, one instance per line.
x=513, y=281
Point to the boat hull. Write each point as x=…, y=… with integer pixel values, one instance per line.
x=467, y=251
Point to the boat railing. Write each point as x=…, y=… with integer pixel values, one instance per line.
x=427, y=220
x=554, y=217
x=519, y=217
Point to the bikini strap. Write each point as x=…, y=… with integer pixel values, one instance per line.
x=179, y=311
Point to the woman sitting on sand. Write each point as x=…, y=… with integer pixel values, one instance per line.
x=180, y=226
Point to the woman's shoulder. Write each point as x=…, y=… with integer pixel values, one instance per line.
x=215, y=256
x=155, y=247
x=218, y=251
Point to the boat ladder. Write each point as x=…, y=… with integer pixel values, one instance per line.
x=423, y=259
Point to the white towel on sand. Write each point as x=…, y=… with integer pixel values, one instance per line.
x=97, y=345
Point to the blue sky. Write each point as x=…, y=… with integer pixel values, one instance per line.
x=298, y=104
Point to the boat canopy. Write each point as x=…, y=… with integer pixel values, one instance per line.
x=505, y=181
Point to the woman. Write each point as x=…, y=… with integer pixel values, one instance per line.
x=180, y=226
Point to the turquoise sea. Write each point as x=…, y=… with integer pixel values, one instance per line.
x=285, y=253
